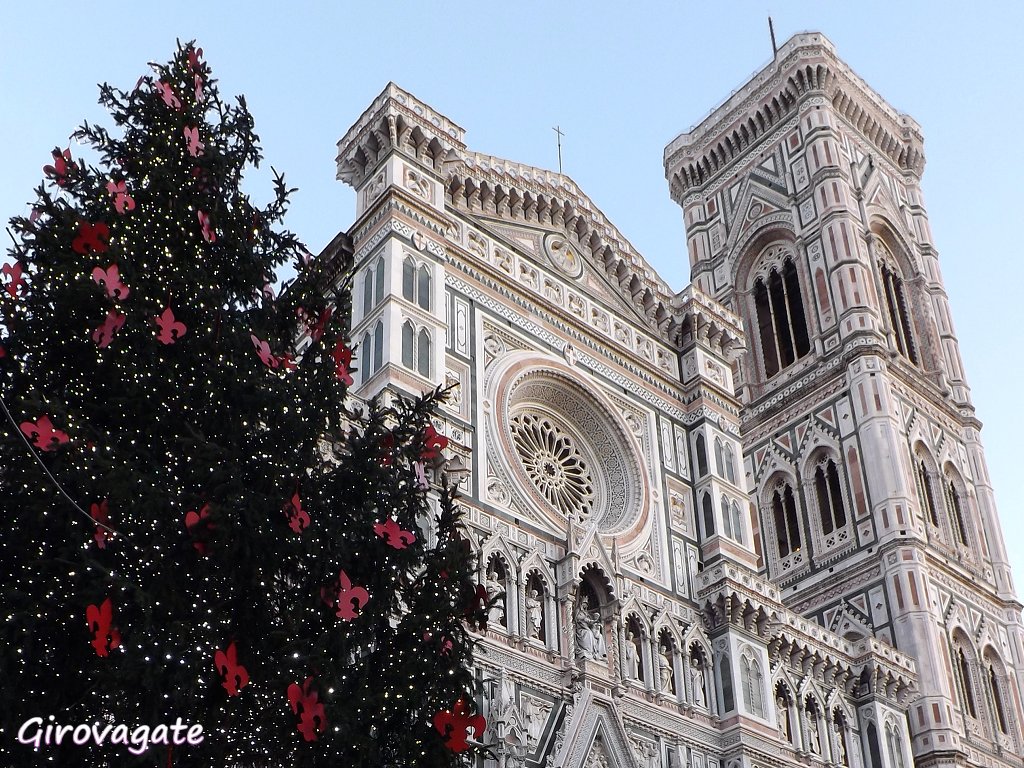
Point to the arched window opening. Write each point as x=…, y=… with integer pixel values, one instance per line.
x=423, y=353
x=924, y=492
x=996, y=693
x=781, y=321
x=423, y=287
x=831, y=508
x=787, y=524
x=378, y=346
x=719, y=458
x=367, y=291
x=378, y=281
x=709, y=516
x=702, y=457
x=964, y=674
x=730, y=463
x=726, y=518
x=408, y=341
x=737, y=523
x=408, y=279
x=896, y=305
x=955, y=510
x=366, y=356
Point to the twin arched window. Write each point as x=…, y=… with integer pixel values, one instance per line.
x=954, y=508
x=416, y=349
x=725, y=460
x=781, y=321
x=753, y=685
x=416, y=283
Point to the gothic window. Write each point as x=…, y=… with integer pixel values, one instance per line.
x=373, y=285
x=894, y=745
x=924, y=491
x=709, y=516
x=737, y=522
x=963, y=671
x=787, y=524
x=726, y=518
x=896, y=306
x=954, y=508
x=702, y=457
x=416, y=283
x=995, y=679
x=730, y=463
x=416, y=349
x=831, y=508
x=371, y=351
x=753, y=685
x=554, y=463
x=781, y=323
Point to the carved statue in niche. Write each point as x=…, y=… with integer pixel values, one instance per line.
x=495, y=586
x=697, y=684
x=813, y=736
x=534, y=614
x=782, y=711
x=840, y=742
x=667, y=672
x=632, y=656
x=590, y=633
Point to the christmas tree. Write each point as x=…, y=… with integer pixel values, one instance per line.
x=198, y=530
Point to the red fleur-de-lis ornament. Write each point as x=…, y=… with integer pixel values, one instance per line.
x=342, y=356
x=100, y=512
x=105, y=636
x=43, y=434
x=233, y=676
x=346, y=600
x=306, y=705
x=167, y=94
x=267, y=357
x=195, y=56
x=393, y=534
x=91, y=238
x=123, y=202
x=62, y=166
x=109, y=280
x=113, y=323
x=433, y=444
x=199, y=525
x=195, y=146
x=298, y=518
x=169, y=328
x=455, y=724
x=13, y=274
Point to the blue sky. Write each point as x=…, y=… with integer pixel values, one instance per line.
x=621, y=83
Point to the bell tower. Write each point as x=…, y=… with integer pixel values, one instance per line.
x=804, y=215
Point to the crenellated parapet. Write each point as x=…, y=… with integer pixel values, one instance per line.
x=806, y=66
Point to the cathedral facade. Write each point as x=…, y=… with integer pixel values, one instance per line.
x=745, y=524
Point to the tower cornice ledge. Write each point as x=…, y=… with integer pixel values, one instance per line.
x=807, y=63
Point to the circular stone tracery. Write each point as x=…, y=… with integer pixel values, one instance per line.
x=554, y=463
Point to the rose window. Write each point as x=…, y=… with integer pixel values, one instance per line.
x=554, y=464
